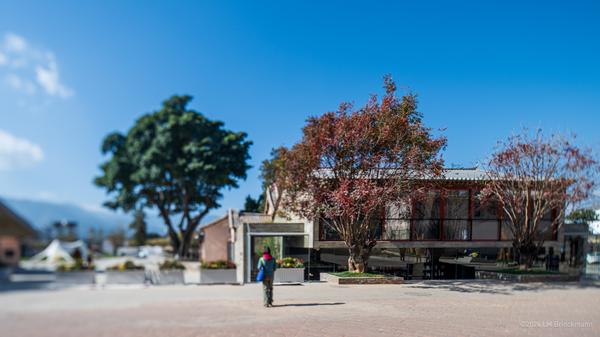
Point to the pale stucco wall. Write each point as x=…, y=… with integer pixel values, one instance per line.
x=215, y=242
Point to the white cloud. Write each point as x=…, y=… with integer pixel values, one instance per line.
x=47, y=78
x=20, y=84
x=29, y=69
x=17, y=153
x=14, y=43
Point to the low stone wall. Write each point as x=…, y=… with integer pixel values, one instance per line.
x=76, y=277
x=289, y=275
x=171, y=277
x=125, y=277
x=525, y=278
x=330, y=278
x=218, y=276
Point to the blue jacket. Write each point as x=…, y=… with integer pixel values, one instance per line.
x=269, y=265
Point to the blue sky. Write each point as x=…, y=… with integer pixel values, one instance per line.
x=73, y=71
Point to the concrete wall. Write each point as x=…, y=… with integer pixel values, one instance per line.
x=10, y=250
x=215, y=243
x=240, y=249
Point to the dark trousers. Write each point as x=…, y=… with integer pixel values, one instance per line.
x=267, y=290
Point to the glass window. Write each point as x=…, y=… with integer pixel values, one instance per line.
x=545, y=231
x=456, y=205
x=426, y=223
x=376, y=227
x=397, y=223
x=506, y=232
x=485, y=219
x=400, y=210
x=485, y=210
x=327, y=232
x=397, y=229
x=456, y=229
x=428, y=206
x=485, y=230
x=426, y=229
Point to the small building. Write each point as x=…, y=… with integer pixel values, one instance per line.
x=445, y=235
x=217, y=239
x=14, y=233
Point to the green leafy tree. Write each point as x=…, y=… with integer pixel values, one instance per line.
x=139, y=228
x=176, y=161
x=254, y=205
x=584, y=215
x=269, y=169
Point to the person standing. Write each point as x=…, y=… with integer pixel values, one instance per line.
x=268, y=264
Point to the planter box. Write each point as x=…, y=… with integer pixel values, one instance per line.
x=330, y=278
x=125, y=277
x=525, y=278
x=218, y=276
x=283, y=275
x=170, y=277
x=76, y=277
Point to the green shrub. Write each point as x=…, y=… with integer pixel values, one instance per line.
x=290, y=262
x=171, y=265
x=127, y=265
x=77, y=266
x=219, y=264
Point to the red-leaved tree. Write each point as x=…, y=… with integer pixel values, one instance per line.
x=351, y=164
x=536, y=179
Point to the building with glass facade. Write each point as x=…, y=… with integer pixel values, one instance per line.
x=446, y=233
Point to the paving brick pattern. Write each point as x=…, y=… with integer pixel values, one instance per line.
x=478, y=308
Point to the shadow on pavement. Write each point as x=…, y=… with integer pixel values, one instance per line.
x=16, y=286
x=306, y=304
x=498, y=287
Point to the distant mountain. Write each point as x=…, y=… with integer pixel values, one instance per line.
x=40, y=214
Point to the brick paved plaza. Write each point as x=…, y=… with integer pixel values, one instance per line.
x=318, y=309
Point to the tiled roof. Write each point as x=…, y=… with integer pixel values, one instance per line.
x=464, y=174
x=453, y=174
x=8, y=217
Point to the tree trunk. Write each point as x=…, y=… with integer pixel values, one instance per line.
x=359, y=257
x=526, y=252
x=175, y=242
x=184, y=246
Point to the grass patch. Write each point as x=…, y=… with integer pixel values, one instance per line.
x=351, y=274
x=528, y=272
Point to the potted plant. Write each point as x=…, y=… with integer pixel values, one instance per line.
x=289, y=269
x=220, y=271
x=171, y=272
x=126, y=272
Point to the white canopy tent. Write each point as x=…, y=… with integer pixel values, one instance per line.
x=61, y=252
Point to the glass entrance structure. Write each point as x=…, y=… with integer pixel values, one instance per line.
x=284, y=240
